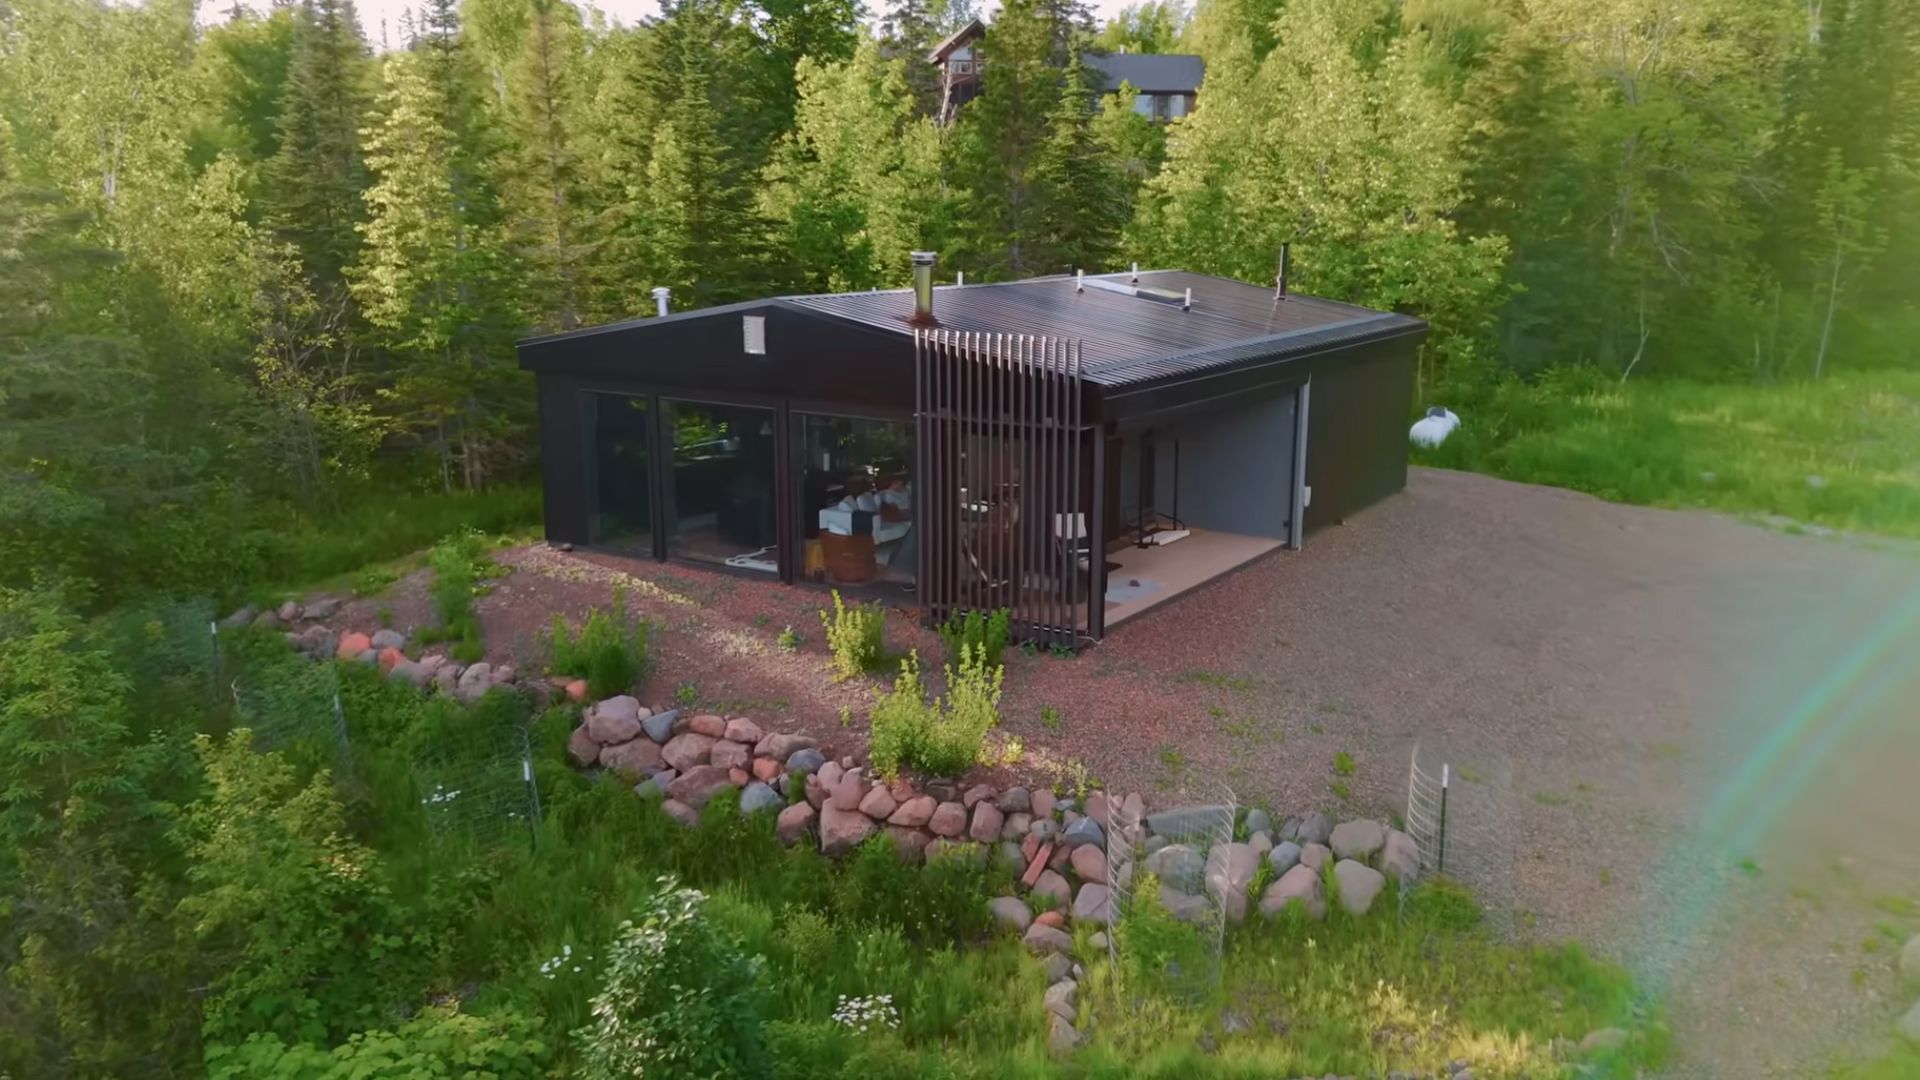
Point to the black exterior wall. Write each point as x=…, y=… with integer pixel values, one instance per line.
x=1360, y=394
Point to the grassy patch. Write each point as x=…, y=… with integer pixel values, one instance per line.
x=359, y=547
x=1837, y=454
x=1218, y=680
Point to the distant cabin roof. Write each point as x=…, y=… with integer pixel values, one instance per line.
x=959, y=37
x=1150, y=73
x=1129, y=334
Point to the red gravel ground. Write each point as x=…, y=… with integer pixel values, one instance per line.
x=1608, y=681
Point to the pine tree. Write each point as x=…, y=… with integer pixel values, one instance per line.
x=997, y=139
x=432, y=277
x=1080, y=196
x=856, y=186
x=544, y=179
x=907, y=32
x=703, y=233
x=315, y=179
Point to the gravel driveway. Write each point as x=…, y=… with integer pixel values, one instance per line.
x=1690, y=742
x=1687, y=741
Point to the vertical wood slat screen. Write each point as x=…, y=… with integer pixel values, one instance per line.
x=1000, y=429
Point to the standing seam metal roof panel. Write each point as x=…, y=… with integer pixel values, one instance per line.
x=1129, y=339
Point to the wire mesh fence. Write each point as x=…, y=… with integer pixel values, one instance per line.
x=1174, y=880
x=171, y=651
x=482, y=789
x=1460, y=814
x=295, y=707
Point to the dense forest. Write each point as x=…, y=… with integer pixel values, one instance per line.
x=256, y=268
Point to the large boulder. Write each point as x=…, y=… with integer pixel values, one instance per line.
x=987, y=822
x=792, y=824
x=1316, y=856
x=1358, y=884
x=1910, y=1025
x=683, y=752
x=780, y=746
x=1297, y=886
x=915, y=813
x=698, y=785
x=1230, y=870
x=804, y=761
x=847, y=792
x=352, y=644
x=474, y=682
x=1284, y=857
x=878, y=803
x=1011, y=911
x=1083, y=831
x=1042, y=804
x=1400, y=857
x=1094, y=903
x=949, y=820
x=843, y=830
x=1042, y=939
x=713, y=727
x=1910, y=963
x=321, y=607
x=1015, y=800
x=1185, y=906
x=742, y=730
x=1089, y=863
x=1052, y=884
x=615, y=720
x=1190, y=821
x=975, y=794
x=729, y=755
x=581, y=747
x=909, y=844
x=635, y=760
x=681, y=812
x=1257, y=821
x=1016, y=826
x=1315, y=828
x=388, y=639
x=1357, y=840
x=756, y=798
x=658, y=726
x=1179, y=866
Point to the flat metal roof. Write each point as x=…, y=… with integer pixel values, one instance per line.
x=1133, y=338
x=1126, y=337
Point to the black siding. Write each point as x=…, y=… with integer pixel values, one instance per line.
x=1357, y=430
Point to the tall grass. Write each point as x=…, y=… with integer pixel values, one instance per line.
x=310, y=547
x=1843, y=453
x=609, y=650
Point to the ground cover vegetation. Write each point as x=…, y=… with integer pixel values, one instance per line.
x=196, y=885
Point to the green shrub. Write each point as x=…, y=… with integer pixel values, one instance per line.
x=788, y=641
x=1159, y=953
x=457, y=563
x=609, y=650
x=856, y=636
x=437, y=1042
x=680, y=999
x=943, y=901
x=986, y=633
x=940, y=737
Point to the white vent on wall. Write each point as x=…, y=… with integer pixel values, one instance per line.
x=754, y=328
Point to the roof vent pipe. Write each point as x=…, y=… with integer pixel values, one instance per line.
x=1079, y=281
x=959, y=277
x=1280, y=282
x=923, y=287
x=661, y=294
x=1135, y=280
x=1188, y=304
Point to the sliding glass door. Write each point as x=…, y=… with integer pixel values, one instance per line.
x=720, y=492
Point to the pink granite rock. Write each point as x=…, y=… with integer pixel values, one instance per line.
x=843, y=830
x=635, y=760
x=987, y=822
x=742, y=730
x=913, y=813
x=707, y=724
x=878, y=803
x=581, y=747
x=683, y=752
x=729, y=755
x=792, y=824
x=699, y=784
x=949, y=819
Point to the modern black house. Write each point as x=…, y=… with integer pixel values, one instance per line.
x=1078, y=449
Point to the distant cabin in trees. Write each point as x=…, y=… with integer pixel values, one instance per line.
x=1165, y=85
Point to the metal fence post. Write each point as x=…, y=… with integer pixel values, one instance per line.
x=1446, y=778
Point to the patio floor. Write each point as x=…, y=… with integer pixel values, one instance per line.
x=1165, y=572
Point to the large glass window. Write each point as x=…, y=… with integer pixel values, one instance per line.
x=721, y=495
x=856, y=500
x=622, y=512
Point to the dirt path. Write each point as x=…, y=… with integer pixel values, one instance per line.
x=1687, y=741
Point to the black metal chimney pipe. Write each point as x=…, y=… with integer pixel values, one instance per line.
x=1286, y=261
